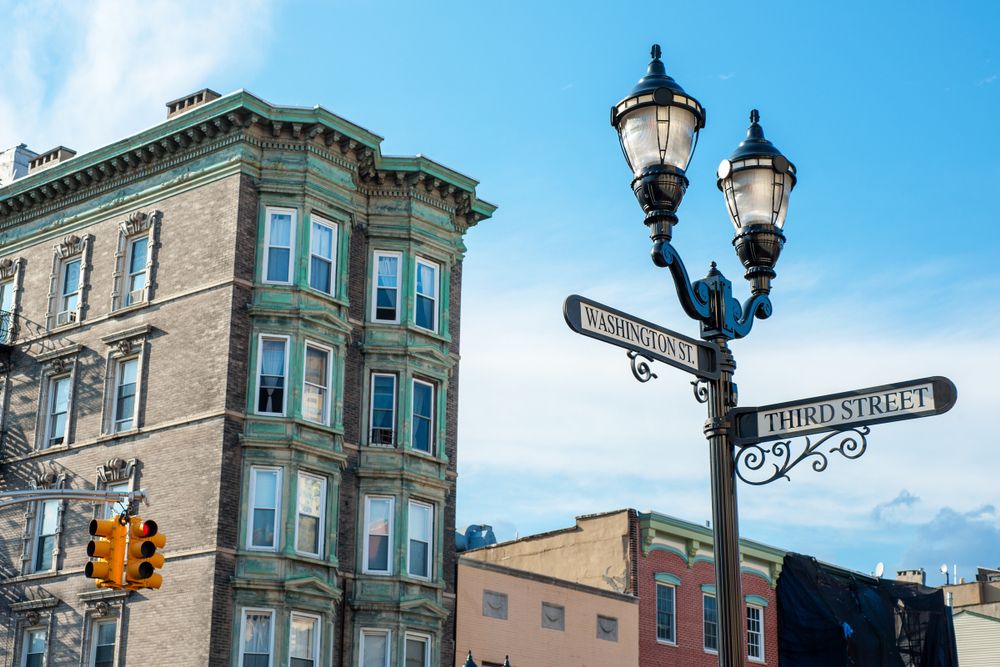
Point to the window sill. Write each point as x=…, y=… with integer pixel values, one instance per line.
x=31, y=576
x=132, y=307
x=664, y=642
x=104, y=437
x=69, y=326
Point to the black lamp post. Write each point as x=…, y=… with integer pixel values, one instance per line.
x=658, y=125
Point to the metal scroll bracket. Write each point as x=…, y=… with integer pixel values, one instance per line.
x=763, y=463
x=640, y=369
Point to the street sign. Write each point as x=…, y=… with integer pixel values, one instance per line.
x=596, y=320
x=850, y=409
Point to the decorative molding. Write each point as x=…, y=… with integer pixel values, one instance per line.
x=756, y=600
x=115, y=471
x=8, y=267
x=69, y=246
x=667, y=578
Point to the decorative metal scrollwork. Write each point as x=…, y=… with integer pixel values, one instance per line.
x=640, y=369
x=700, y=388
x=752, y=459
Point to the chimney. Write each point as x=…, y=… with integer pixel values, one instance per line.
x=912, y=576
x=188, y=102
x=14, y=163
x=50, y=159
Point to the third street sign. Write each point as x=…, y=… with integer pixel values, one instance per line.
x=613, y=326
x=850, y=409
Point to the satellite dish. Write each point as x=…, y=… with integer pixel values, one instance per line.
x=944, y=568
x=879, y=569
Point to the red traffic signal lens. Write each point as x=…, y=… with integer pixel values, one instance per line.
x=147, y=528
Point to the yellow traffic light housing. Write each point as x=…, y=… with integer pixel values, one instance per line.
x=108, y=548
x=143, y=557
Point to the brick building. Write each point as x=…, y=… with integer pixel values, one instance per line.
x=664, y=562
x=251, y=313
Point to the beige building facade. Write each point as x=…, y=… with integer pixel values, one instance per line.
x=540, y=620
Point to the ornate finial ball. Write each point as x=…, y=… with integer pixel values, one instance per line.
x=655, y=52
x=713, y=265
x=754, y=116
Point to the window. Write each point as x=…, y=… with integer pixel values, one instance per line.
x=56, y=411
x=418, y=650
x=103, y=654
x=34, y=647
x=383, y=409
x=378, y=534
x=271, y=375
x=711, y=623
x=111, y=510
x=6, y=310
x=316, y=385
x=427, y=295
x=303, y=641
x=374, y=648
x=420, y=525
x=385, y=307
x=423, y=416
x=322, y=254
x=135, y=280
x=309, y=527
x=665, y=614
x=69, y=292
x=265, y=494
x=126, y=382
x=46, y=530
x=256, y=638
x=279, y=239
x=755, y=632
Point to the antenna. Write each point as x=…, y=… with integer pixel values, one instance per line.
x=879, y=569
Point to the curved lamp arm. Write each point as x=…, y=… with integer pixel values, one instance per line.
x=694, y=297
x=759, y=306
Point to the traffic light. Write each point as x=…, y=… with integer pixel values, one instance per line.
x=108, y=547
x=143, y=557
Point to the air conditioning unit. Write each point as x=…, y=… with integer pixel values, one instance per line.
x=65, y=317
x=135, y=296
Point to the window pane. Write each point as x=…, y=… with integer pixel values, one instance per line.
x=387, y=284
x=303, y=634
x=425, y=312
x=379, y=531
x=281, y=230
x=310, y=509
x=264, y=508
x=383, y=404
x=71, y=277
x=49, y=515
x=416, y=652
x=388, y=267
x=426, y=280
x=256, y=639
x=665, y=613
x=58, y=407
x=277, y=264
x=420, y=525
x=271, y=392
x=265, y=488
x=423, y=402
x=316, y=361
x=319, y=274
x=125, y=396
x=322, y=241
x=43, y=559
x=137, y=260
x=374, y=647
x=711, y=621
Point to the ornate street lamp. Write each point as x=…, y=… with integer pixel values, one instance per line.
x=658, y=125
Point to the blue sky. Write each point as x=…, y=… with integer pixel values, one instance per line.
x=888, y=110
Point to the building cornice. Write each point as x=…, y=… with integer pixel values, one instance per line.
x=241, y=116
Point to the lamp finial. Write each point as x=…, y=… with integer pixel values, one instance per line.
x=655, y=52
x=754, y=116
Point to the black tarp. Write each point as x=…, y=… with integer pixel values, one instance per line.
x=829, y=617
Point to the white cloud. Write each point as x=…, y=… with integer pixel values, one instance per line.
x=86, y=74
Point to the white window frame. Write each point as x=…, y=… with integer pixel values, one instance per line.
x=432, y=441
x=430, y=538
x=7, y=287
x=110, y=510
x=36, y=539
x=704, y=624
x=128, y=274
x=760, y=633
x=321, y=527
x=317, y=634
x=116, y=386
x=428, y=643
x=50, y=399
x=371, y=406
x=673, y=613
x=95, y=633
x=335, y=228
x=388, y=643
x=399, y=285
x=253, y=505
x=260, y=365
x=367, y=526
x=437, y=293
x=63, y=295
x=25, y=644
x=267, y=244
x=324, y=419
x=243, y=624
